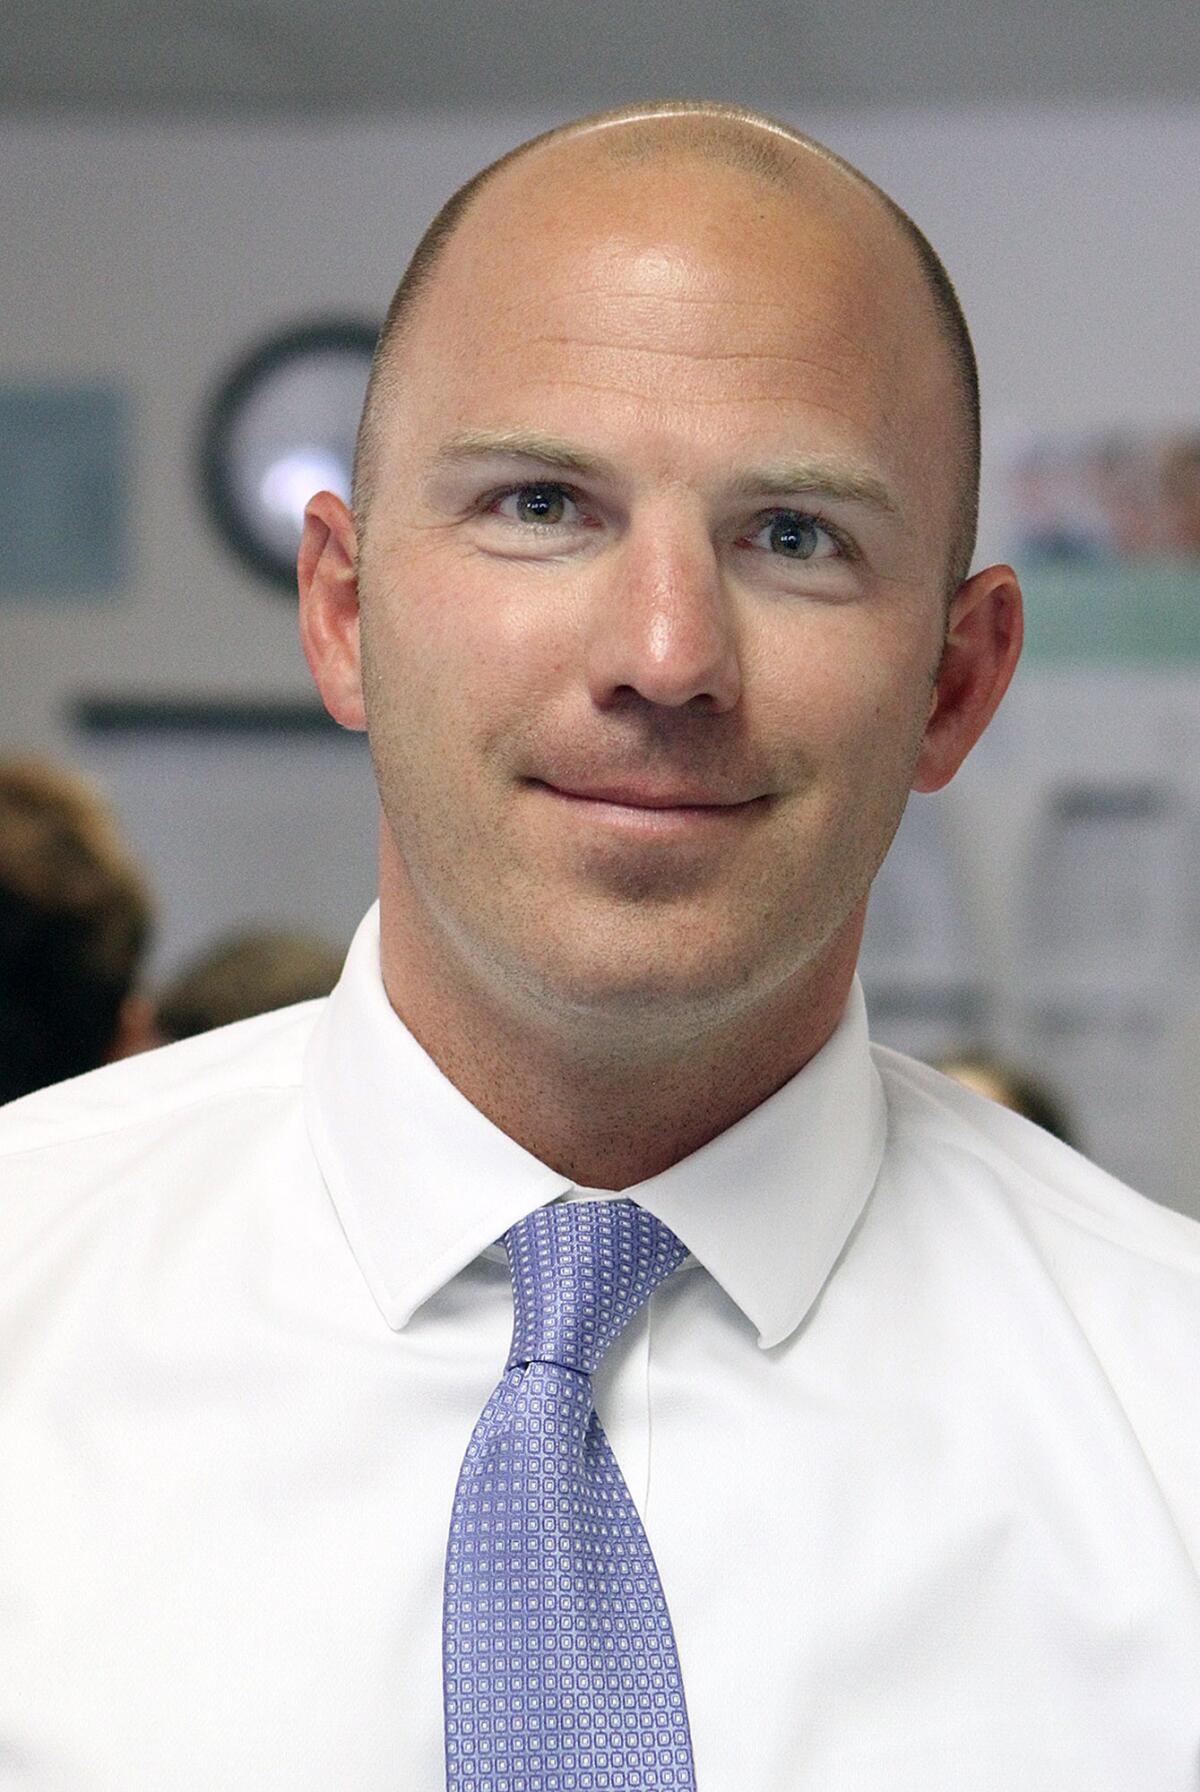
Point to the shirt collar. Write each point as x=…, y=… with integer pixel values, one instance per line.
x=423, y=1182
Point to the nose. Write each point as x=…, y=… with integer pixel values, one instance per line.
x=661, y=627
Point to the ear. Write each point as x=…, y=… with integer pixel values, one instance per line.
x=327, y=573
x=983, y=643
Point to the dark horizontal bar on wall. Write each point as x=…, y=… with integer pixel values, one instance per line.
x=204, y=715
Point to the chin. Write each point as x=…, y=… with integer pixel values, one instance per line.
x=609, y=989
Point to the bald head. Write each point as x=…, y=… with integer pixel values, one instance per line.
x=721, y=137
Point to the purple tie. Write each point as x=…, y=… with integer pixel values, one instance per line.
x=559, y=1662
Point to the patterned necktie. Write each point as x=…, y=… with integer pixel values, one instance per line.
x=559, y=1662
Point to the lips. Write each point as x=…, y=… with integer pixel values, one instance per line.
x=645, y=796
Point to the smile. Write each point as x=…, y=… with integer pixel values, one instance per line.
x=652, y=812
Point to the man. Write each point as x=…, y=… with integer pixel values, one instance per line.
x=75, y=921
x=847, y=1438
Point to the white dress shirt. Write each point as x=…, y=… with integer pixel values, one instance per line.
x=914, y=1431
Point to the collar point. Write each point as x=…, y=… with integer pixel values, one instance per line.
x=778, y=1332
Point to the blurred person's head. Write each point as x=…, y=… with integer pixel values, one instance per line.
x=249, y=971
x=75, y=919
x=1013, y=1087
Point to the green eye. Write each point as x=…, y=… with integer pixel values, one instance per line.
x=540, y=504
x=794, y=535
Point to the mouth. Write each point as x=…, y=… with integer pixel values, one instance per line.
x=652, y=808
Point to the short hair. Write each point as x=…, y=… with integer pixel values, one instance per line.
x=247, y=972
x=76, y=916
x=719, y=131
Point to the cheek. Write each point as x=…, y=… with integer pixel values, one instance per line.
x=848, y=685
x=457, y=659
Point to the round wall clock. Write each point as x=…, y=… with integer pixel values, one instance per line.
x=281, y=426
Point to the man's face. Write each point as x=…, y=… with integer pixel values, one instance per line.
x=652, y=591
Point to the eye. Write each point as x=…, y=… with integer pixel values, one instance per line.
x=795, y=535
x=540, y=505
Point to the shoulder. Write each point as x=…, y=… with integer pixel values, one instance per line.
x=205, y=1074
x=92, y=1168
x=967, y=1141
x=153, y=1185
x=1077, y=1281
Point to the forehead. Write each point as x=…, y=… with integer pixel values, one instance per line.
x=680, y=290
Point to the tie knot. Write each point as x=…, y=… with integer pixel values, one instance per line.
x=580, y=1271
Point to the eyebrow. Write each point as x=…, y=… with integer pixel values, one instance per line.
x=806, y=476
x=520, y=444
x=816, y=477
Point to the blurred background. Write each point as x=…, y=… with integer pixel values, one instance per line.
x=204, y=210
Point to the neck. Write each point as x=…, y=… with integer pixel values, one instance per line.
x=608, y=1115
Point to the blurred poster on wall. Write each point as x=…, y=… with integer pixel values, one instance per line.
x=1115, y=495
x=1044, y=908
x=66, y=479
x=1104, y=528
